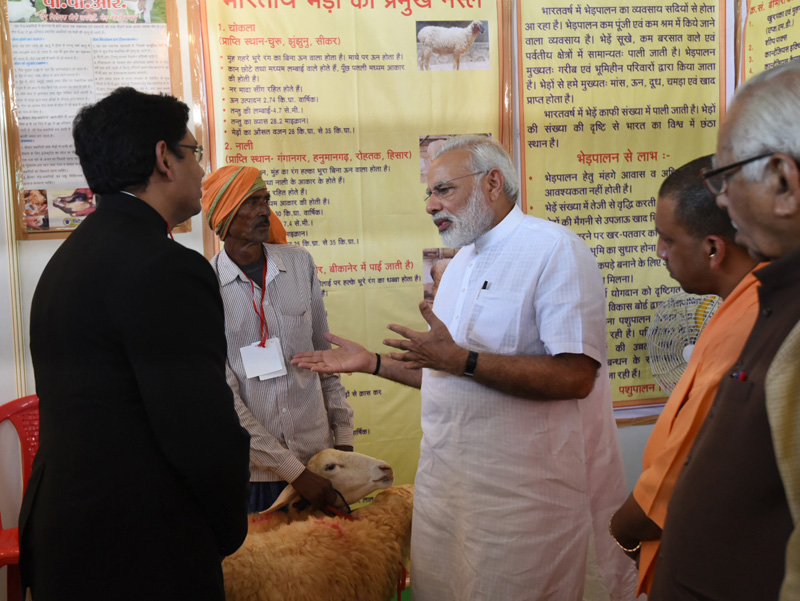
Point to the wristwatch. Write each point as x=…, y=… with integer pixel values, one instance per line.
x=472, y=363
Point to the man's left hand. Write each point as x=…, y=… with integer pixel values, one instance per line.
x=434, y=349
x=315, y=489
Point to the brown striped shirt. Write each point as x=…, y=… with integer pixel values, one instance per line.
x=291, y=417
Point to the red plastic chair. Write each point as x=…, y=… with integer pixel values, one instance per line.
x=24, y=414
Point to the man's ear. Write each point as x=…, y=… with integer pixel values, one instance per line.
x=787, y=197
x=164, y=161
x=496, y=182
x=715, y=248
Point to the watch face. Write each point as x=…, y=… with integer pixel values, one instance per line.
x=472, y=363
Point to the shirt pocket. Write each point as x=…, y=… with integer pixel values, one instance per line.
x=296, y=331
x=292, y=301
x=495, y=322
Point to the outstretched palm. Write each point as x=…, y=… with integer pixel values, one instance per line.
x=348, y=356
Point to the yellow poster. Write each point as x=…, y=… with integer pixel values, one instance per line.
x=771, y=35
x=338, y=103
x=614, y=97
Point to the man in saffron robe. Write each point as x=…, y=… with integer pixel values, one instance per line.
x=696, y=243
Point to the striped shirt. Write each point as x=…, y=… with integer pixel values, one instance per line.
x=291, y=417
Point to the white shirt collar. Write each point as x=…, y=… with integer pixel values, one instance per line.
x=501, y=230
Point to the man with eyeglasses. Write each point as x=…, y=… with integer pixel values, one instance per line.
x=730, y=531
x=140, y=484
x=520, y=461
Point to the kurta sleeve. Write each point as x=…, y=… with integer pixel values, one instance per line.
x=569, y=300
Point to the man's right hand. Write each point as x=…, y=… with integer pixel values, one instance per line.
x=348, y=357
x=315, y=489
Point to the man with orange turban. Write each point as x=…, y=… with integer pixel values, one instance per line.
x=273, y=310
x=225, y=190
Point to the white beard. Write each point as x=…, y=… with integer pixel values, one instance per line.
x=469, y=224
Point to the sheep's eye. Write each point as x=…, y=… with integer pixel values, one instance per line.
x=330, y=467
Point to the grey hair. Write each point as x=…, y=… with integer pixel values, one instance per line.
x=486, y=155
x=768, y=118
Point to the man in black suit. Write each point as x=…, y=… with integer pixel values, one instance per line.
x=140, y=484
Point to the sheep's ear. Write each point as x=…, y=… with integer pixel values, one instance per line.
x=289, y=495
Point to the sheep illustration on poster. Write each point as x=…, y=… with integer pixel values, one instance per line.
x=451, y=43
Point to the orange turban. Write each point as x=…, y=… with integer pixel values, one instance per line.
x=225, y=190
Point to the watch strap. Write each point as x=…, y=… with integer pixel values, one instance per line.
x=472, y=363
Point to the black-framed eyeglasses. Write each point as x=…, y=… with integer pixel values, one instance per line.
x=197, y=149
x=715, y=179
x=443, y=189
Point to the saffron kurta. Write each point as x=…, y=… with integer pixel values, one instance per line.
x=715, y=352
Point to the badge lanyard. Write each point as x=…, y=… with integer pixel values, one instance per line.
x=260, y=309
x=263, y=359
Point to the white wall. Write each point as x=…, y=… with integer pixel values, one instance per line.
x=632, y=440
x=10, y=473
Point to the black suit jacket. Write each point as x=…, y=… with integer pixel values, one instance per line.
x=140, y=484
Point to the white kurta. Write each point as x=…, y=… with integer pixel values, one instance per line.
x=508, y=490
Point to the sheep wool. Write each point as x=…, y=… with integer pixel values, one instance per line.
x=326, y=558
x=262, y=522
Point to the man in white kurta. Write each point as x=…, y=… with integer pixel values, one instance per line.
x=520, y=460
x=508, y=489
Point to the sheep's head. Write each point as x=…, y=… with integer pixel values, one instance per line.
x=477, y=27
x=353, y=474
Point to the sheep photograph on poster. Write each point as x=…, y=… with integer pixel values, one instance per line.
x=453, y=45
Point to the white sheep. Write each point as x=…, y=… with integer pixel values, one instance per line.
x=21, y=10
x=327, y=558
x=447, y=40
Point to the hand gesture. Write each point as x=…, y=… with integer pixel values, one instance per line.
x=434, y=349
x=348, y=357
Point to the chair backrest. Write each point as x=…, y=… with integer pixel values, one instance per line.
x=24, y=414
